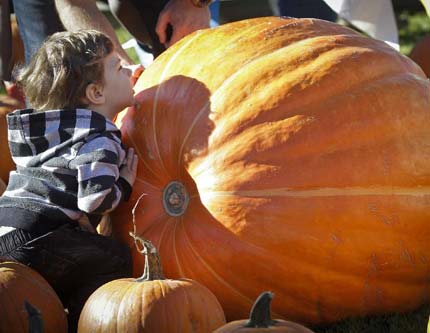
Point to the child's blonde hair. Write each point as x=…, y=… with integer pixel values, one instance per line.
x=62, y=68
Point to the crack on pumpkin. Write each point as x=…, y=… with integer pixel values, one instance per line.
x=372, y=295
x=406, y=255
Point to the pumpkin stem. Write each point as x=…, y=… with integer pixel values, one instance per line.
x=153, y=269
x=35, y=322
x=260, y=313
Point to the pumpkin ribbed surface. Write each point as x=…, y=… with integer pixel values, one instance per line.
x=303, y=151
x=18, y=284
x=170, y=306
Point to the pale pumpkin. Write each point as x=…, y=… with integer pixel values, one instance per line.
x=421, y=54
x=151, y=304
x=289, y=155
x=260, y=320
x=20, y=284
x=7, y=104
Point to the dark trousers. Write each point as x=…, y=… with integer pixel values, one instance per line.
x=74, y=262
x=307, y=8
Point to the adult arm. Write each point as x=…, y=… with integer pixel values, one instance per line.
x=84, y=14
x=184, y=16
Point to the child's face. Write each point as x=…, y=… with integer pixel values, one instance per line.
x=118, y=88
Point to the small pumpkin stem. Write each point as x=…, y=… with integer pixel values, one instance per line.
x=35, y=321
x=153, y=269
x=260, y=313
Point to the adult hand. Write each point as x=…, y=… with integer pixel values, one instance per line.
x=184, y=18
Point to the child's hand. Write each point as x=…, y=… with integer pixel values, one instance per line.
x=129, y=170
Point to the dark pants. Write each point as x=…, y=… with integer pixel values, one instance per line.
x=74, y=262
x=307, y=8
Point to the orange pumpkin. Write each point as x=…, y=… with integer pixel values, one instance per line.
x=7, y=104
x=289, y=155
x=421, y=54
x=260, y=320
x=151, y=304
x=20, y=284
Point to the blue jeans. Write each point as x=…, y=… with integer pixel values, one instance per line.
x=37, y=19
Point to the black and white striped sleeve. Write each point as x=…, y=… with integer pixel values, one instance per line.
x=100, y=188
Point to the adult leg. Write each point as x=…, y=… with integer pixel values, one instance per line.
x=37, y=19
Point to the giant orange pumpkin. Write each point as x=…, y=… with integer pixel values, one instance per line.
x=7, y=104
x=290, y=155
x=20, y=284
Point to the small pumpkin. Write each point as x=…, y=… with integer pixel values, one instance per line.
x=20, y=284
x=260, y=320
x=421, y=54
x=7, y=104
x=151, y=304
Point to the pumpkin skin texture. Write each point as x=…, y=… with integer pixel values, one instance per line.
x=151, y=304
x=303, y=147
x=421, y=54
x=7, y=104
x=19, y=284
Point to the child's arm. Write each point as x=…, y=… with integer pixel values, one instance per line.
x=99, y=178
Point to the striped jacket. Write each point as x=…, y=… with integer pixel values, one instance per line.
x=66, y=160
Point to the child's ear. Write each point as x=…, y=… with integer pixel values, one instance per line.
x=94, y=94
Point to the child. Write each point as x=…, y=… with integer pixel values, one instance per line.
x=71, y=166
